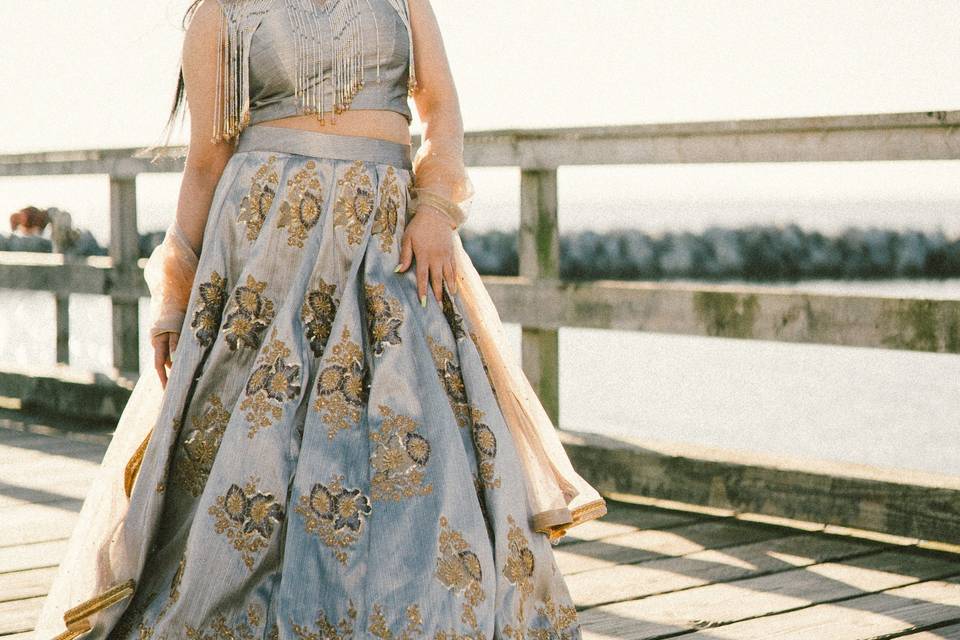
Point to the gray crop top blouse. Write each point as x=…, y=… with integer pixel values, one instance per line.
x=273, y=61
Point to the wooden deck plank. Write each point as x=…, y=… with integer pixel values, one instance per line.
x=19, y=585
x=592, y=588
x=625, y=518
x=950, y=632
x=38, y=522
x=32, y=556
x=19, y=616
x=766, y=596
x=638, y=546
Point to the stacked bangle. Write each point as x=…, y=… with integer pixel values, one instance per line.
x=449, y=208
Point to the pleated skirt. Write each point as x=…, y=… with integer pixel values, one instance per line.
x=331, y=461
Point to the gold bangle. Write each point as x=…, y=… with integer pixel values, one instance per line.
x=449, y=208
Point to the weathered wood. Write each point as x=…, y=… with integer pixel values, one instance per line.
x=62, y=304
x=28, y=583
x=949, y=632
x=32, y=556
x=19, y=616
x=125, y=251
x=714, y=605
x=664, y=575
x=626, y=518
x=38, y=522
x=900, y=502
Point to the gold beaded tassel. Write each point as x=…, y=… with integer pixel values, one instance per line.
x=232, y=102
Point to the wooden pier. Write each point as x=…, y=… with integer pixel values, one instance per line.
x=642, y=572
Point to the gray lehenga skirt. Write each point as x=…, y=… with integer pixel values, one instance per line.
x=331, y=461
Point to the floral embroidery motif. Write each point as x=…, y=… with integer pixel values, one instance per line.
x=174, y=586
x=561, y=620
x=398, y=459
x=414, y=628
x=248, y=518
x=336, y=514
x=458, y=568
x=520, y=563
x=452, y=378
x=303, y=206
x=220, y=630
x=317, y=313
x=384, y=317
x=342, y=386
x=485, y=444
x=355, y=203
x=209, y=309
x=272, y=383
x=326, y=630
x=454, y=319
x=250, y=314
x=385, y=219
x=255, y=205
x=200, y=445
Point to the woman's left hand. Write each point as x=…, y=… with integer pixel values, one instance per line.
x=429, y=237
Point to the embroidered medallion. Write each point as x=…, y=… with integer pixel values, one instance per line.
x=485, y=445
x=342, y=386
x=255, y=206
x=355, y=202
x=248, y=517
x=384, y=317
x=385, y=218
x=301, y=210
x=199, y=447
x=398, y=459
x=209, y=309
x=270, y=385
x=250, y=314
x=317, y=313
x=335, y=514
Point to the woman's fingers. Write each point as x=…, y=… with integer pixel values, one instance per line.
x=436, y=279
x=174, y=341
x=422, y=272
x=406, y=253
x=450, y=275
x=160, y=358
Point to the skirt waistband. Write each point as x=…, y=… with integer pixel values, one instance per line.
x=324, y=145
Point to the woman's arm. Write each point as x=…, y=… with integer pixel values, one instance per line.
x=438, y=165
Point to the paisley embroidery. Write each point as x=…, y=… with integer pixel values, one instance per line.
x=317, y=313
x=485, y=444
x=335, y=514
x=209, y=309
x=398, y=459
x=452, y=378
x=355, y=202
x=454, y=319
x=342, y=386
x=301, y=210
x=218, y=629
x=272, y=383
x=326, y=630
x=199, y=447
x=251, y=313
x=255, y=206
x=458, y=568
x=384, y=317
x=385, y=219
x=247, y=517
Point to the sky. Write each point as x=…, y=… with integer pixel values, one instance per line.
x=101, y=73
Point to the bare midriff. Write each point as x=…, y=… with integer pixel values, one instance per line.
x=368, y=123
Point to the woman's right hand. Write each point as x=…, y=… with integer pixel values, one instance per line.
x=164, y=344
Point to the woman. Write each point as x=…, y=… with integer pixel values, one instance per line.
x=334, y=453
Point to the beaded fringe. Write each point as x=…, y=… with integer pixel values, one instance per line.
x=342, y=20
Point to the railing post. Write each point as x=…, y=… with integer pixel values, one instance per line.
x=124, y=251
x=539, y=257
x=62, y=305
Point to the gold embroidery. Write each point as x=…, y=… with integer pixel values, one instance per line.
x=385, y=219
x=200, y=445
x=174, y=594
x=485, y=445
x=209, y=309
x=272, y=380
x=342, y=386
x=318, y=310
x=561, y=620
x=450, y=312
x=303, y=206
x=520, y=563
x=384, y=317
x=458, y=568
x=380, y=628
x=250, y=314
x=263, y=188
x=220, y=630
x=398, y=459
x=452, y=378
x=335, y=514
x=326, y=630
x=483, y=362
x=248, y=517
x=355, y=202
x=77, y=617
x=132, y=468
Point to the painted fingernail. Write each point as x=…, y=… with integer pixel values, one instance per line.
x=397, y=268
x=423, y=300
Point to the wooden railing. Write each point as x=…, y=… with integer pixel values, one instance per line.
x=537, y=299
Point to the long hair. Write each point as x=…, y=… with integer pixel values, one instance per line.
x=179, y=97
